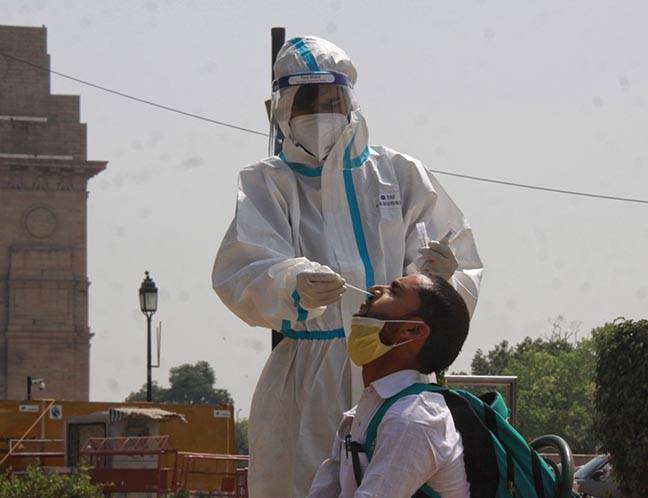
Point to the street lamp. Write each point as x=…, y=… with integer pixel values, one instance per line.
x=148, y=304
x=31, y=381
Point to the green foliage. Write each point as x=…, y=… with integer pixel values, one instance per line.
x=189, y=384
x=621, y=408
x=183, y=493
x=241, y=437
x=492, y=363
x=157, y=393
x=555, y=383
x=35, y=483
x=555, y=394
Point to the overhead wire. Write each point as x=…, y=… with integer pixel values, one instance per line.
x=137, y=99
x=545, y=189
x=256, y=132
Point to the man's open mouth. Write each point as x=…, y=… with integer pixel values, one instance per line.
x=364, y=309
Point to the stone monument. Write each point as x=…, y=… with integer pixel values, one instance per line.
x=44, y=173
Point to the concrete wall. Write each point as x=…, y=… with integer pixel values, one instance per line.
x=209, y=429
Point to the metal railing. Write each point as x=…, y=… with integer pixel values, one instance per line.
x=31, y=428
x=127, y=445
x=38, y=448
x=233, y=481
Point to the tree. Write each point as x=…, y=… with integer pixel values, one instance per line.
x=561, y=339
x=555, y=394
x=621, y=408
x=492, y=363
x=189, y=384
x=157, y=393
x=555, y=383
x=241, y=437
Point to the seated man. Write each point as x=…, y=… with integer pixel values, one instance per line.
x=412, y=328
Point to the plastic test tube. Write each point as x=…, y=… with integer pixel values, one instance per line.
x=423, y=238
x=422, y=234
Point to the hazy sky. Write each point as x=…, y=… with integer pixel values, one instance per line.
x=553, y=93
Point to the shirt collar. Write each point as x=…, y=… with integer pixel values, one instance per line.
x=395, y=382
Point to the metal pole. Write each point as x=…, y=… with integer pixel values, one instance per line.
x=514, y=397
x=278, y=36
x=148, y=359
x=29, y=385
x=278, y=39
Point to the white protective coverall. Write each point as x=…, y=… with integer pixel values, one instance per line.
x=356, y=214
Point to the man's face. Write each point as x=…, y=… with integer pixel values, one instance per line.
x=397, y=301
x=313, y=99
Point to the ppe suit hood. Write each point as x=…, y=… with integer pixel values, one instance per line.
x=309, y=54
x=312, y=54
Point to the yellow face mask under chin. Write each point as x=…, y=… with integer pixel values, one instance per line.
x=364, y=342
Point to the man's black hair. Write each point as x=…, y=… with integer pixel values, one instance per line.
x=445, y=312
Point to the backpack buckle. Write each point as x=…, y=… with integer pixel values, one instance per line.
x=352, y=447
x=347, y=445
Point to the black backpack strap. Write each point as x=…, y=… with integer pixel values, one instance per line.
x=355, y=449
x=537, y=474
x=480, y=460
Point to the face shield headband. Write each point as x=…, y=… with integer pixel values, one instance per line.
x=315, y=78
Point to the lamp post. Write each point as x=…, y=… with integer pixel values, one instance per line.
x=148, y=294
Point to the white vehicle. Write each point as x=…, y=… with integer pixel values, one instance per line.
x=594, y=479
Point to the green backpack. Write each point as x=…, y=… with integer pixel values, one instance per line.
x=499, y=462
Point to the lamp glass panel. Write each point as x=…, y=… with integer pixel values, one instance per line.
x=150, y=299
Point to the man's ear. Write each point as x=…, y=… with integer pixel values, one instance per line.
x=423, y=330
x=414, y=331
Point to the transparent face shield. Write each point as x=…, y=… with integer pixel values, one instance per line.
x=324, y=92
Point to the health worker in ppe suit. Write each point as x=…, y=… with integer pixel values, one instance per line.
x=328, y=211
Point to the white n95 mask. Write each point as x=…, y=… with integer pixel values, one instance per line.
x=319, y=132
x=364, y=342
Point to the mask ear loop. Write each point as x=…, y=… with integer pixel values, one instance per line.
x=392, y=346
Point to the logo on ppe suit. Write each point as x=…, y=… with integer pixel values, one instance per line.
x=389, y=199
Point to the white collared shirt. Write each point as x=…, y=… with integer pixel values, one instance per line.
x=416, y=443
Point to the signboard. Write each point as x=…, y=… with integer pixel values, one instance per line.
x=221, y=413
x=56, y=412
x=28, y=409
